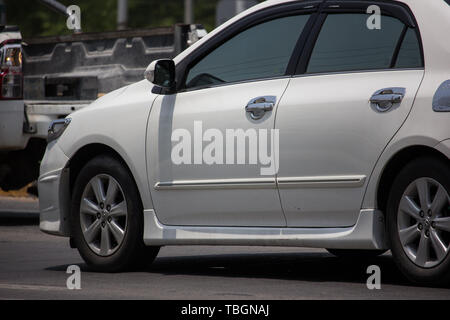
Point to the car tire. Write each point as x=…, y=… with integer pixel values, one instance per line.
x=418, y=221
x=356, y=253
x=107, y=217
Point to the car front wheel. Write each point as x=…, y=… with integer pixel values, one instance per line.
x=106, y=217
x=418, y=221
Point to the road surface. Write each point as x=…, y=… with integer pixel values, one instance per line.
x=33, y=266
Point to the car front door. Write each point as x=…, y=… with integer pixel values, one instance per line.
x=207, y=161
x=355, y=86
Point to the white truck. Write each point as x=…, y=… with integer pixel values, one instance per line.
x=47, y=78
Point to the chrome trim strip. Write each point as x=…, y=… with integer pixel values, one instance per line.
x=331, y=73
x=265, y=183
x=260, y=183
x=322, y=182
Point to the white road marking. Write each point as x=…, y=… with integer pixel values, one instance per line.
x=11, y=286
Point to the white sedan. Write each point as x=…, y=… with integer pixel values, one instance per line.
x=296, y=123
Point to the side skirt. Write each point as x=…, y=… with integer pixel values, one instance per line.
x=367, y=233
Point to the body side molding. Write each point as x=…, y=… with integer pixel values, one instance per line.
x=285, y=182
x=322, y=181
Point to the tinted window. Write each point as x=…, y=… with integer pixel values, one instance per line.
x=261, y=51
x=345, y=43
x=409, y=55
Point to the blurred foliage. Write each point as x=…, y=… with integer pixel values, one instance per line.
x=35, y=19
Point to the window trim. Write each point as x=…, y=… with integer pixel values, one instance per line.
x=267, y=14
x=303, y=49
x=397, y=10
x=331, y=73
x=398, y=47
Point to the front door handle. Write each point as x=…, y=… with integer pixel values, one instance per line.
x=384, y=99
x=257, y=107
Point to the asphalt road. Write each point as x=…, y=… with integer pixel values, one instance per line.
x=33, y=266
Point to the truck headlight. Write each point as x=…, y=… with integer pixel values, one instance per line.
x=56, y=128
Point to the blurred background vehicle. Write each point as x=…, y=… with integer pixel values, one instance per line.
x=49, y=71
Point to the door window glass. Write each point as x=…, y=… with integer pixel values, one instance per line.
x=262, y=51
x=345, y=43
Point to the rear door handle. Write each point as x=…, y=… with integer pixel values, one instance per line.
x=257, y=107
x=384, y=99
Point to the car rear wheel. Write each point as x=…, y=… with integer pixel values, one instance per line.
x=418, y=221
x=106, y=214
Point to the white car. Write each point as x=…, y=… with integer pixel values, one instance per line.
x=297, y=123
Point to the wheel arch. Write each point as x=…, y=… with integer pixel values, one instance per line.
x=395, y=164
x=86, y=153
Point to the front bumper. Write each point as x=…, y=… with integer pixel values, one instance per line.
x=54, y=195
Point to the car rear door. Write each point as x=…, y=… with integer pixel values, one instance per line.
x=354, y=88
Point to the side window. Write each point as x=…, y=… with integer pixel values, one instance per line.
x=345, y=44
x=261, y=51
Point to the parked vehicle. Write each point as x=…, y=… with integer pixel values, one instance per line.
x=363, y=117
x=62, y=74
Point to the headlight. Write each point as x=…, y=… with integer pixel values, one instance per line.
x=56, y=128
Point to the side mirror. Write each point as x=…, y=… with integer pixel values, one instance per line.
x=161, y=73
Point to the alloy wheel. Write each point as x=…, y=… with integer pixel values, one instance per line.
x=424, y=222
x=103, y=214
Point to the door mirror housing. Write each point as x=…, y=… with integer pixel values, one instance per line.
x=161, y=73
